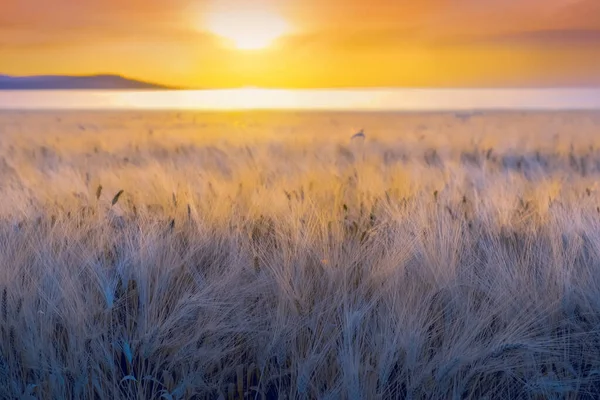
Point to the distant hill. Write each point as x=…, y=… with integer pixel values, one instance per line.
x=62, y=82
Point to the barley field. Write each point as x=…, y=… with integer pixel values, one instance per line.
x=262, y=255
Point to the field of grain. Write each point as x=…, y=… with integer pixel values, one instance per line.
x=270, y=255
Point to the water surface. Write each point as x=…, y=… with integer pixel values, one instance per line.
x=331, y=100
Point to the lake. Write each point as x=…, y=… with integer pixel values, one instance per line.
x=331, y=100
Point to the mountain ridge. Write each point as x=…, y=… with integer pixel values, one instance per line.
x=75, y=82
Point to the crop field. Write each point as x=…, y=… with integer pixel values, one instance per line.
x=264, y=255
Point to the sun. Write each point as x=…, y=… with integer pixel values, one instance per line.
x=248, y=29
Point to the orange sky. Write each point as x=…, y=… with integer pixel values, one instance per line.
x=334, y=43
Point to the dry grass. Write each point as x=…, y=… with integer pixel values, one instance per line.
x=268, y=256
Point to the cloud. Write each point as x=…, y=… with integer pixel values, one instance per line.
x=542, y=39
x=62, y=23
x=381, y=21
x=582, y=14
x=47, y=16
x=355, y=39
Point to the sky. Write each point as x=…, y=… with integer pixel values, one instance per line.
x=329, y=43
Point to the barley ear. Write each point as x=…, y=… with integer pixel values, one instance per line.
x=116, y=198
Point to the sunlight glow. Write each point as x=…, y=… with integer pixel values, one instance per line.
x=249, y=29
